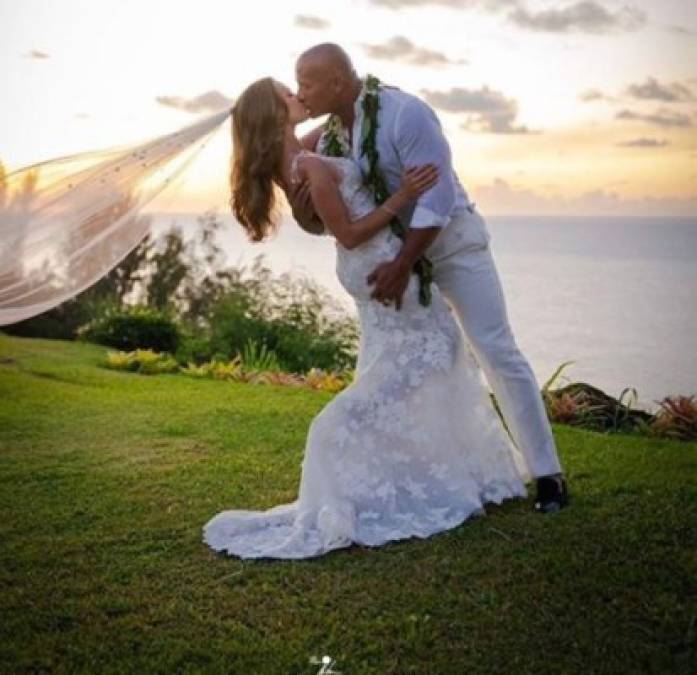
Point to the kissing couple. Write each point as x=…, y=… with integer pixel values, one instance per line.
x=414, y=446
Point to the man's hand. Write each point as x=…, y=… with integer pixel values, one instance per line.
x=391, y=280
x=303, y=211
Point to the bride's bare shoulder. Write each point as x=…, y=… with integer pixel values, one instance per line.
x=311, y=165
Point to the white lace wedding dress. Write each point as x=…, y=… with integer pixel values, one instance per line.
x=412, y=447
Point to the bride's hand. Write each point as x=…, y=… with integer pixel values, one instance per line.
x=418, y=179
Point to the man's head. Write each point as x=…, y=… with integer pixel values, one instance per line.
x=327, y=82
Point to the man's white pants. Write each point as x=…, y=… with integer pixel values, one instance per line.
x=465, y=273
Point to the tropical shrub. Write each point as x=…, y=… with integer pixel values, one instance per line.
x=136, y=327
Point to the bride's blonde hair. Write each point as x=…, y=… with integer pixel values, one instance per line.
x=259, y=119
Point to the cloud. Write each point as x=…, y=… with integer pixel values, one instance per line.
x=586, y=16
x=313, y=22
x=661, y=118
x=36, y=54
x=594, y=95
x=493, y=5
x=212, y=101
x=400, y=48
x=502, y=198
x=644, y=143
x=652, y=89
x=489, y=110
x=681, y=30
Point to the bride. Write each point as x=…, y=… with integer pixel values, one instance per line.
x=413, y=446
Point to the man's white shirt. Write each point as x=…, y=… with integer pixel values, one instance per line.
x=410, y=134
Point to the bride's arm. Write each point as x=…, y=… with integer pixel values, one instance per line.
x=330, y=206
x=310, y=139
x=299, y=196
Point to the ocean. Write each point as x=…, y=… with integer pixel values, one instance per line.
x=615, y=295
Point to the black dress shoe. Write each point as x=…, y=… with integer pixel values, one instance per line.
x=550, y=496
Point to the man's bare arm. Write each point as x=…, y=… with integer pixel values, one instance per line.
x=416, y=244
x=392, y=278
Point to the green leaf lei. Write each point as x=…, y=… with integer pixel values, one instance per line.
x=335, y=144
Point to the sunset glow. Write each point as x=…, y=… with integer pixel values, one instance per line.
x=550, y=106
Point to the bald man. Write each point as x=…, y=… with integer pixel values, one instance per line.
x=444, y=226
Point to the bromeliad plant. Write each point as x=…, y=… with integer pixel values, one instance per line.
x=256, y=365
x=319, y=379
x=260, y=358
x=145, y=361
x=582, y=405
x=676, y=419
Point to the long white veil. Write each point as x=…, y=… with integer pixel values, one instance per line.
x=66, y=222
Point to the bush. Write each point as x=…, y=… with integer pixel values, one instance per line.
x=64, y=321
x=193, y=349
x=133, y=328
x=289, y=318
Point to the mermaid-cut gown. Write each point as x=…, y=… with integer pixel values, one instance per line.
x=412, y=447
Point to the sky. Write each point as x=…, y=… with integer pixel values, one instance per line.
x=550, y=106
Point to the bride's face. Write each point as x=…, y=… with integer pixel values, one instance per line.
x=296, y=110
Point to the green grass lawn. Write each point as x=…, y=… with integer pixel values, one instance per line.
x=106, y=479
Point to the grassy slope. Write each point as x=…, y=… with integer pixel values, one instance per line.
x=106, y=479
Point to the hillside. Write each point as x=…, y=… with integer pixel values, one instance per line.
x=107, y=477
